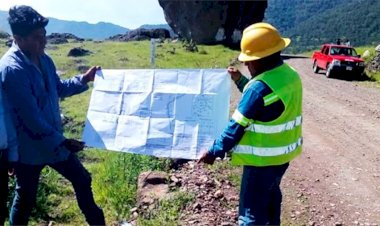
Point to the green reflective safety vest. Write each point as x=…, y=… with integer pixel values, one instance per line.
x=279, y=141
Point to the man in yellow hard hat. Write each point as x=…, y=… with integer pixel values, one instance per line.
x=265, y=132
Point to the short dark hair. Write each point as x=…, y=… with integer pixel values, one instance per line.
x=24, y=19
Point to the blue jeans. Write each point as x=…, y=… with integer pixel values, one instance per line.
x=27, y=177
x=260, y=195
x=3, y=186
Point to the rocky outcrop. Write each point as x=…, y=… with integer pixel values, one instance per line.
x=208, y=22
x=64, y=35
x=60, y=38
x=374, y=64
x=142, y=34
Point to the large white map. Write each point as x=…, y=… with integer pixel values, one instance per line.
x=161, y=112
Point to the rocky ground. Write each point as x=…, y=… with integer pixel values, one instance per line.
x=216, y=198
x=336, y=181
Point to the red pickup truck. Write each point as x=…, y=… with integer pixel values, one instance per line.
x=337, y=59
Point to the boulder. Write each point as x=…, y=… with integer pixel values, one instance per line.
x=76, y=52
x=142, y=34
x=209, y=22
x=152, y=186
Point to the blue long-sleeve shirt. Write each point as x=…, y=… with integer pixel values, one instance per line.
x=251, y=106
x=8, y=139
x=33, y=97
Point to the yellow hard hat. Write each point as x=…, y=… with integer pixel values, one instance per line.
x=260, y=40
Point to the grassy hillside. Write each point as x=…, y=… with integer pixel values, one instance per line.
x=312, y=23
x=114, y=174
x=287, y=14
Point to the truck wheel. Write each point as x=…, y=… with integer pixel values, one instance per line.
x=328, y=71
x=315, y=67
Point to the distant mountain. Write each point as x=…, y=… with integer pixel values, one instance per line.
x=312, y=23
x=85, y=30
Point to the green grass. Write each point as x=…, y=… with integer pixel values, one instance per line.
x=114, y=55
x=166, y=212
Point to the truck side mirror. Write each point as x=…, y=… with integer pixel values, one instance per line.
x=359, y=56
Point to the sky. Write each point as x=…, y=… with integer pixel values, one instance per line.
x=127, y=13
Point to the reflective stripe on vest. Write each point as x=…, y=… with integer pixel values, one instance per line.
x=275, y=151
x=258, y=128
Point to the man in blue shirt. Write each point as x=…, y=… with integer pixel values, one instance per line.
x=264, y=162
x=33, y=88
x=8, y=153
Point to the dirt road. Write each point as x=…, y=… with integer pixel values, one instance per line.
x=337, y=179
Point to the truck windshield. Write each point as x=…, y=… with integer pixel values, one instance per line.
x=343, y=51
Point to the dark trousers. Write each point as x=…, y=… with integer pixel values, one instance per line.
x=27, y=177
x=260, y=195
x=3, y=186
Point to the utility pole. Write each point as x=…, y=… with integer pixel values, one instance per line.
x=153, y=52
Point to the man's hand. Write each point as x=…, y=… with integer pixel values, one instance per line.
x=234, y=72
x=207, y=158
x=89, y=76
x=73, y=145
